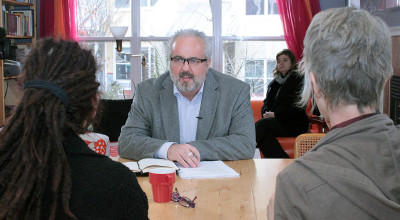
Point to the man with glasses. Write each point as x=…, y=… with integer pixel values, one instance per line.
x=190, y=113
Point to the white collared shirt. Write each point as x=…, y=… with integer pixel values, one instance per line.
x=188, y=118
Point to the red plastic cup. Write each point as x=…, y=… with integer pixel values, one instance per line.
x=162, y=182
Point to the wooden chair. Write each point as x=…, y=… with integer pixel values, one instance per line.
x=113, y=117
x=305, y=142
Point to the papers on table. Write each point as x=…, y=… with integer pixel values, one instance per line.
x=207, y=169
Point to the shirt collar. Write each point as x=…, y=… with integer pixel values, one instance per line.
x=351, y=121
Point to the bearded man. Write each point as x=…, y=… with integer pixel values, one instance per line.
x=190, y=113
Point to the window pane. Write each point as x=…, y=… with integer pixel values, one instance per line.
x=272, y=7
x=113, y=69
x=252, y=62
x=254, y=7
x=251, y=18
x=164, y=17
x=254, y=75
x=122, y=3
x=95, y=17
x=123, y=64
x=156, y=59
x=271, y=64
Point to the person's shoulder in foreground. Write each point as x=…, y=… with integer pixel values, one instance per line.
x=46, y=170
x=353, y=171
x=101, y=186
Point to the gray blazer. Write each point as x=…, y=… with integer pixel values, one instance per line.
x=225, y=132
x=353, y=172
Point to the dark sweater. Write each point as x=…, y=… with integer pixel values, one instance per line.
x=281, y=99
x=101, y=187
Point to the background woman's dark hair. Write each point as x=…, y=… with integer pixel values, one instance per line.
x=292, y=58
x=35, y=181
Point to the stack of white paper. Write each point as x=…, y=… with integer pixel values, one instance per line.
x=207, y=169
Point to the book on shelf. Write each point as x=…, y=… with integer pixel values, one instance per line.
x=26, y=1
x=145, y=165
x=22, y=22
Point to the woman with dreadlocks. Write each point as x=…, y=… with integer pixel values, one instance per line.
x=46, y=170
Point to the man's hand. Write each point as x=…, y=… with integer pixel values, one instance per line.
x=185, y=154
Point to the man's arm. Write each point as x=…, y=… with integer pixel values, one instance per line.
x=135, y=141
x=239, y=141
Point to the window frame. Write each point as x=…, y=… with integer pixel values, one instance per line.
x=135, y=40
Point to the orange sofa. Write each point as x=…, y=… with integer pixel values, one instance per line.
x=287, y=143
x=317, y=125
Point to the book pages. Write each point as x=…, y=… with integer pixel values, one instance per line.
x=132, y=166
x=150, y=163
x=207, y=169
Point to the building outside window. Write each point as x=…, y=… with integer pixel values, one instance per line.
x=255, y=75
x=245, y=42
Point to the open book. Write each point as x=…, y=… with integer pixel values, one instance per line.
x=145, y=165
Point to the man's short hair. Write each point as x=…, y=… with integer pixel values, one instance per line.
x=192, y=33
x=349, y=52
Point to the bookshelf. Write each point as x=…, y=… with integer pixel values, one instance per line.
x=11, y=5
x=2, y=110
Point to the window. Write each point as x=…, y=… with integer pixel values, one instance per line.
x=121, y=3
x=247, y=35
x=258, y=74
x=123, y=64
x=254, y=7
x=272, y=7
x=147, y=3
x=254, y=75
x=252, y=62
x=167, y=16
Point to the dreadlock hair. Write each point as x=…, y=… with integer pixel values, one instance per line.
x=35, y=180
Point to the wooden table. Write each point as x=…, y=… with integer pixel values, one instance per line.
x=244, y=197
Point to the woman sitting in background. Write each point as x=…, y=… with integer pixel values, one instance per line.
x=46, y=170
x=281, y=116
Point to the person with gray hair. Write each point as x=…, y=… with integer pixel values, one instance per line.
x=190, y=113
x=353, y=172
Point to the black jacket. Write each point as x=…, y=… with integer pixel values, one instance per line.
x=282, y=99
x=101, y=187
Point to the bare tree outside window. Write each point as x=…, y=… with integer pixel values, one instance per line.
x=158, y=19
x=94, y=19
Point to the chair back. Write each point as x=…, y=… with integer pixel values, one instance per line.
x=113, y=117
x=305, y=142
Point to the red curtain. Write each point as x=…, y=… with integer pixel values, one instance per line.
x=58, y=19
x=296, y=15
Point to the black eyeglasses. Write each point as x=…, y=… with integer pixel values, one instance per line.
x=184, y=201
x=193, y=62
